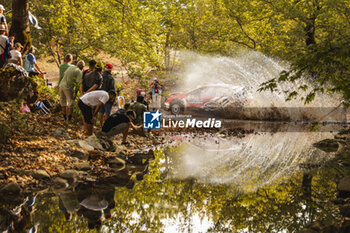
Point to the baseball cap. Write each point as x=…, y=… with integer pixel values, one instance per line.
x=109, y=66
x=2, y=7
x=18, y=45
x=2, y=27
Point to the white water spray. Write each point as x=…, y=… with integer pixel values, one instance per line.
x=250, y=69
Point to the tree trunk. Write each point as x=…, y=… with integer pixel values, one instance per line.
x=20, y=23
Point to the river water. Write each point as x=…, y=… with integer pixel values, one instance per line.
x=256, y=182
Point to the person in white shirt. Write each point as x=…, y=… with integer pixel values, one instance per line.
x=93, y=100
x=16, y=55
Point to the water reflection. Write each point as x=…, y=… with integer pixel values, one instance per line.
x=207, y=184
x=248, y=163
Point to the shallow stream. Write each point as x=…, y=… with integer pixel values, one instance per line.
x=256, y=182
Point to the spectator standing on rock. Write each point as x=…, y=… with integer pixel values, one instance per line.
x=30, y=65
x=64, y=66
x=93, y=80
x=120, y=123
x=108, y=84
x=16, y=55
x=5, y=46
x=156, y=94
x=68, y=88
x=93, y=100
x=3, y=19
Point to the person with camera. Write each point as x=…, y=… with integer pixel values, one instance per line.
x=156, y=94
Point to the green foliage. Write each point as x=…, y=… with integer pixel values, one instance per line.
x=325, y=65
x=312, y=35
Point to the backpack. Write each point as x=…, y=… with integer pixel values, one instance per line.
x=6, y=54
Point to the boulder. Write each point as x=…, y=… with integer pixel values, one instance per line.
x=83, y=166
x=94, y=142
x=106, y=143
x=11, y=188
x=40, y=175
x=327, y=145
x=79, y=154
x=69, y=175
x=15, y=84
x=60, y=183
x=83, y=144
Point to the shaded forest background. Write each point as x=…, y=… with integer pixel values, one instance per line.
x=312, y=35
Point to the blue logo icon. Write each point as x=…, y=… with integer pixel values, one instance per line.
x=151, y=120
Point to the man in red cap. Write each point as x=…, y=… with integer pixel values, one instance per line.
x=107, y=85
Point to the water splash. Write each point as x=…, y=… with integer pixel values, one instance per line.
x=250, y=69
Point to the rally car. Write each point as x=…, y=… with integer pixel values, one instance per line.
x=207, y=98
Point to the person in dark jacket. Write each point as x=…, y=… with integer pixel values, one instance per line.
x=93, y=80
x=107, y=85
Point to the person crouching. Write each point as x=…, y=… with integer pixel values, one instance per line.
x=93, y=100
x=120, y=122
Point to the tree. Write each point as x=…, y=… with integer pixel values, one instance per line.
x=20, y=23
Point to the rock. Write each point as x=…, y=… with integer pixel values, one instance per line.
x=344, y=187
x=80, y=155
x=106, y=142
x=116, y=163
x=83, y=144
x=345, y=210
x=11, y=188
x=327, y=145
x=60, y=183
x=69, y=175
x=40, y=175
x=94, y=142
x=83, y=166
x=60, y=133
x=15, y=84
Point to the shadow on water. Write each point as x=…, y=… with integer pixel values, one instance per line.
x=266, y=182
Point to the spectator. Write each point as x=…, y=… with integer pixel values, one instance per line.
x=93, y=80
x=92, y=64
x=3, y=19
x=5, y=46
x=139, y=108
x=93, y=100
x=29, y=64
x=16, y=55
x=64, y=66
x=156, y=94
x=67, y=89
x=120, y=123
x=107, y=85
x=141, y=92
